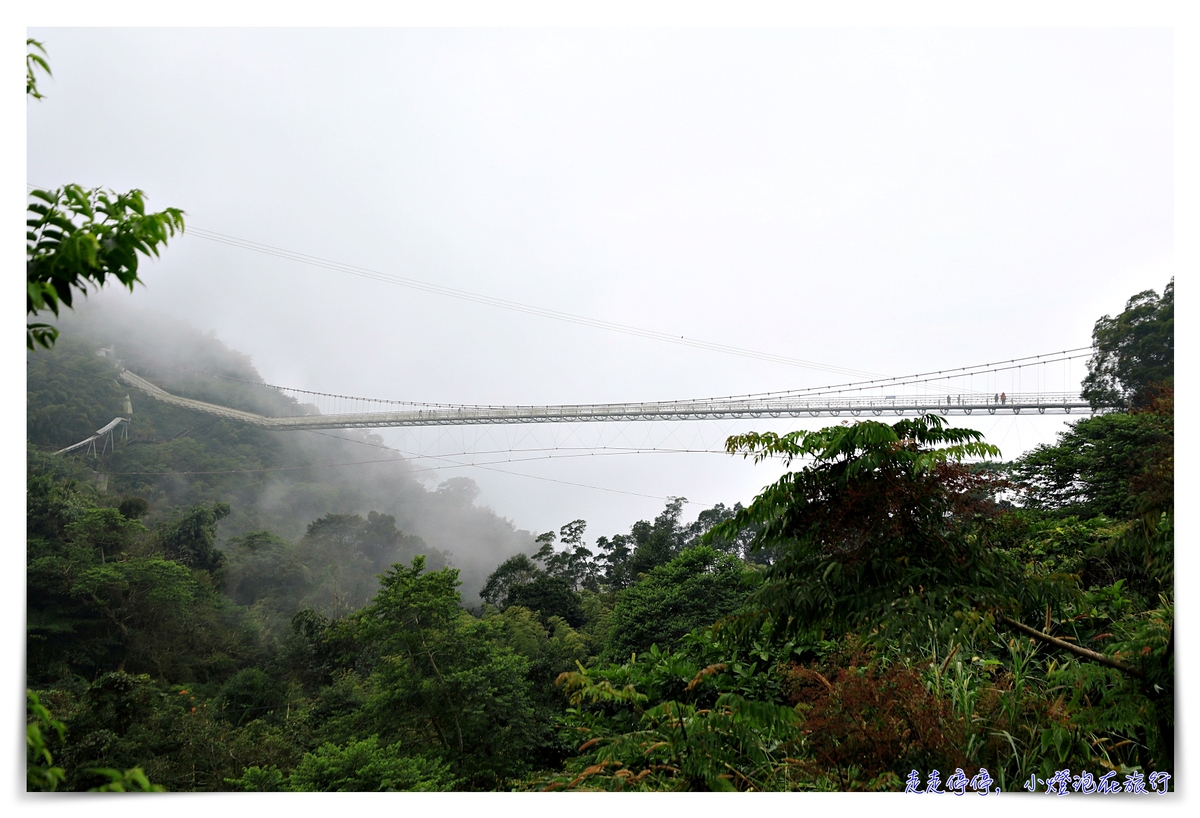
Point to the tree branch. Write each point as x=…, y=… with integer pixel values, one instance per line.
x=1083, y=653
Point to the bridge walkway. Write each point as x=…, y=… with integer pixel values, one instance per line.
x=795, y=407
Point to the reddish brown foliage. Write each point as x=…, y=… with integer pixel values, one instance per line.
x=877, y=721
x=851, y=520
x=1154, y=481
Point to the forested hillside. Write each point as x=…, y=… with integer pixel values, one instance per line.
x=273, y=481
x=902, y=604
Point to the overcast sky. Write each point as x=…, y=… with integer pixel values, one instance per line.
x=881, y=200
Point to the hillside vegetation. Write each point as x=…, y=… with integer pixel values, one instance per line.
x=209, y=610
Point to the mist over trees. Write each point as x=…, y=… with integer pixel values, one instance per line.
x=900, y=604
x=272, y=481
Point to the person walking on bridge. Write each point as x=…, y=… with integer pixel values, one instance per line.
x=1003, y=398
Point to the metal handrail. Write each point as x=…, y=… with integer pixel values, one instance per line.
x=1040, y=402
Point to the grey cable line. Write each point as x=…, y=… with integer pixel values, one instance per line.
x=544, y=312
x=304, y=258
x=854, y=386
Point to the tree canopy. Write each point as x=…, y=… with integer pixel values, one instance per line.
x=1135, y=352
x=884, y=529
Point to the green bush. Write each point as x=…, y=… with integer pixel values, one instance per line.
x=365, y=766
x=691, y=591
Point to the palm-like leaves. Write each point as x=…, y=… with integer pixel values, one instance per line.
x=869, y=445
x=883, y=528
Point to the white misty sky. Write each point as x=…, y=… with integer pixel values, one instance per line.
x=887, y=200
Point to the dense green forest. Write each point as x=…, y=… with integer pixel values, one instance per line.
x=902, y=603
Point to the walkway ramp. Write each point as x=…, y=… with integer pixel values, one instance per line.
x=105, y=431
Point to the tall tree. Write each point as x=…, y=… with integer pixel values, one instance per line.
x=1135, y=352
x=691, y=591
x=442, y=681
x=881, y=532
x=657, y=542
x=1117, y=464
x=192, y=538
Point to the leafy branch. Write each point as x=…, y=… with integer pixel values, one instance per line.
x=33, y=62
x=76, y=237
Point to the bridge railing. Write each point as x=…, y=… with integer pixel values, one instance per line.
x=689, y=410
x=931, y=402
x=766, y=407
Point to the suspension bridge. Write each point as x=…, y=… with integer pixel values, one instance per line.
x=998, y=388
x=1017, y=388
x=946, y=392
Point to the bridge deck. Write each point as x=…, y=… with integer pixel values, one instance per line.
x=830, y=406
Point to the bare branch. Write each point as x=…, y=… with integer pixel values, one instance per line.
x=1083, y=653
